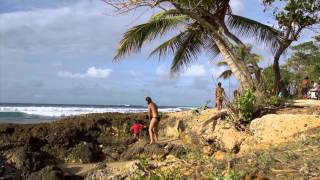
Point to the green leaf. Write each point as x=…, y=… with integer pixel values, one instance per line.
x=250, y=28
x=133, y=39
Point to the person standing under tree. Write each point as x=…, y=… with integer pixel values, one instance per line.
x=305, y=86
x=154, y=118
x=219, y=96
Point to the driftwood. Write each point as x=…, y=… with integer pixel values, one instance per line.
x=213, y=120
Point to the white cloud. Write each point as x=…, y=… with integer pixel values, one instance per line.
x=161, y=71
x=136, y=73
x=75, y=29
x=237, y=6
x=217, y=70
x=92, y=72
x=195, y=71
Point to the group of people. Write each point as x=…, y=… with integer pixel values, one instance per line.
x=154, y=119
x=309, y=89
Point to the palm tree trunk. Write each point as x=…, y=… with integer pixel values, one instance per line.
x=276, y=67
x=237, y=66
x=256, y=68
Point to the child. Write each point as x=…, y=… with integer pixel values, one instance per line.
x=136, y=129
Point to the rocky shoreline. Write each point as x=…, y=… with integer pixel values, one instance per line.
x=100, y=146
x=32, y=150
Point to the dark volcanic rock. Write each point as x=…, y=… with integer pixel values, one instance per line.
x=116, y=141
x=176, y=150
x=141, y=150
x=31, y=147
x=48, y=173
x=133, y=152
x=7, y=172
x=8, y=129
x=34, y=144
x=155, y=150
x=84, y=153
x=64, y=138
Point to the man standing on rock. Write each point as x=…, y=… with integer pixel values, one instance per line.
x=219, y=96
x=154, y=120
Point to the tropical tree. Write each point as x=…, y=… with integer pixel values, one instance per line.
x=305, y=60
x=291, y=19
x=204, y=27
x=251, y=60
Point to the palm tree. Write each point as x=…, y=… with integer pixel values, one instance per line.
x=250, y=59
x=203, y=28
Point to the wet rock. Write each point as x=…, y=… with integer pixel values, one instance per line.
x=84, y=153
x=48, y=173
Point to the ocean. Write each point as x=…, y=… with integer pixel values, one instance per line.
x=35, y=113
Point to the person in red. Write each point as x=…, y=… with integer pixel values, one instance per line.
x=136, y=129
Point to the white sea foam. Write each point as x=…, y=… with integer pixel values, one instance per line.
x=59, y=111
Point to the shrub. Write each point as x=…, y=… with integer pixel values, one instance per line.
x=275, y=101
x=246, y=104
x=197, y=110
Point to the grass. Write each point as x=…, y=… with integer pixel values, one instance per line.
x=295, y=160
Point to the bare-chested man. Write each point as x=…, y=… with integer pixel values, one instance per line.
x=154, y=120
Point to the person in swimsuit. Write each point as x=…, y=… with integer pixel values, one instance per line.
x=219, y=96
x=305, y=86
x=154, y=118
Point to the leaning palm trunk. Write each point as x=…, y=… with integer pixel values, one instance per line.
x=237, y=66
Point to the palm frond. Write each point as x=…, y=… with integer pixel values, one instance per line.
x=134, y=38
x=210, y=46
x=188, y=50
x=169, y=46
x=262, y=33
x=226, y=74
x=167, y=13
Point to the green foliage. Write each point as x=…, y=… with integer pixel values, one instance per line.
x=246, y=104
x=195, y=35
x=268, y=75
x=248, y=57
x=302, y=12
x=249, y=28
x=197, y=110
x=234, y=175
x=165, y=174
x=230, y=175
x=143, y=161
x=305, y=60
x=275, y=101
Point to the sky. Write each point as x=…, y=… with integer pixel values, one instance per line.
x=61, y=51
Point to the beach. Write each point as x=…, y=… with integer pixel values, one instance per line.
x=101, y=146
